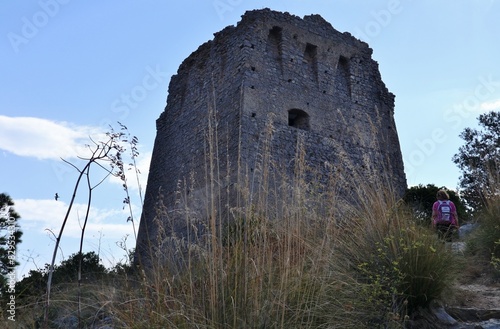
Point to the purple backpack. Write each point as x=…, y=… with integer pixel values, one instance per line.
x=444, y=210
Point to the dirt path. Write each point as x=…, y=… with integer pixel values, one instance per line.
x=476, y=302
x=479, y=296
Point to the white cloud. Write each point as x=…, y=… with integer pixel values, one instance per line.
x=42, y=215
x=490, y=106
x=45, y=139
x=41, y=222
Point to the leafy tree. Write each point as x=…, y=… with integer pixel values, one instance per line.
x=36, y=282
x=421, y=198
x=479, y=161
x=10, y=237
x=92, y=269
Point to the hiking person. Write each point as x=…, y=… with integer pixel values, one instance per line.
x=444, y=216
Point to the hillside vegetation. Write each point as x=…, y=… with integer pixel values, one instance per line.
x=306, y=259
x=372, y=267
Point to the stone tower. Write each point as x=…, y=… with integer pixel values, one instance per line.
x=269, y=84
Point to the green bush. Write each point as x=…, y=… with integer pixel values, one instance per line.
x=401, y=266
x=485, y=242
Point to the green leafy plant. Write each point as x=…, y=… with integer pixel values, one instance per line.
x=485, y=242
x=479, y=161
x=400, y=265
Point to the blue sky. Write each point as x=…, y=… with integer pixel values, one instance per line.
x=69, y=68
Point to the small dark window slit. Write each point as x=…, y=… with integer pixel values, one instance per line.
x=298, y=119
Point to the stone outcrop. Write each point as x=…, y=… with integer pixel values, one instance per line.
x=255, y=96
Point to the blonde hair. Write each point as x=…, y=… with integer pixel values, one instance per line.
x=442, y=195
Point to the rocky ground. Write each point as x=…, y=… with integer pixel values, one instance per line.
x=476, y=299
x=480, y=296
x=474, y=303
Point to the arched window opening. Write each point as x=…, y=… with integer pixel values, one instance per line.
x=298, y=119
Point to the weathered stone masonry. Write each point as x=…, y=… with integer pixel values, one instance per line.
x=309, y=80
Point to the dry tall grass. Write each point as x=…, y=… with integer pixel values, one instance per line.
x=292, y=255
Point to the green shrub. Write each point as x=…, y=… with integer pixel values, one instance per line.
x=485, y=242
x=402, y=266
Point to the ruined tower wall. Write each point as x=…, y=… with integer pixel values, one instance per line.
x=196, y=134
x=272, y=81
x=305, y=64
